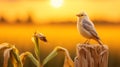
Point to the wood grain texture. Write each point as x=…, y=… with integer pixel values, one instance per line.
x=91, y=56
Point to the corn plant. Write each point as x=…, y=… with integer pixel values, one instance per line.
x=11, y=53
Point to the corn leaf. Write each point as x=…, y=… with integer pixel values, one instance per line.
x=15, y=58
x=35, y=40
x=50, y=56
x=31, y=57
x=23, y=57
x=4, y=46
x=6, y=57
x=68, y=61
x=37, y=49
x=12, y=54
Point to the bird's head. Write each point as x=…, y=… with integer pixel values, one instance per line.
x=82, y=14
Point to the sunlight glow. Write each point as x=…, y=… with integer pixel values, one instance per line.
x=56, y=3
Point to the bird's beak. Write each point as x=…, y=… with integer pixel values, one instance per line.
x=78, y=15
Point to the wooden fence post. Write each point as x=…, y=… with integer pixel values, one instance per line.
x=91, y=56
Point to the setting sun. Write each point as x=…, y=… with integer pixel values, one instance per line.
x=56, y=3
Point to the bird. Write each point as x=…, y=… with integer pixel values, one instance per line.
x=86, y=28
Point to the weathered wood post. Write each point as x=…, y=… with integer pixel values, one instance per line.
x=91, y=56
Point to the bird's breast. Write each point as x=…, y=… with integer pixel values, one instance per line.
x=83, y=31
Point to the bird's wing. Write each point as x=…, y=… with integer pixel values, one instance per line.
x=90, y=27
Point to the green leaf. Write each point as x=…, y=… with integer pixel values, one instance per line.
x=50, y=56
x=68, y=61
x=31, y=57
x=35, y=40
x=37, y=49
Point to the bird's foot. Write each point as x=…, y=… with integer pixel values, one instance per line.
x=87, y=42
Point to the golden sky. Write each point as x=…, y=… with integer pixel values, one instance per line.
x=42, y=11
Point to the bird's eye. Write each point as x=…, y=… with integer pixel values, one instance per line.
x=81, y=15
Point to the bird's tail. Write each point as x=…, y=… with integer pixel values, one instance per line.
x=100, y=42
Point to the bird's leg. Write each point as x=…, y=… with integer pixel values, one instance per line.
x=86, y=41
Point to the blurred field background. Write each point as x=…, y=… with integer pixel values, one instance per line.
x=19, y=19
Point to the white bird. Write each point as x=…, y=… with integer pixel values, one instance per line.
x=86, y=28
